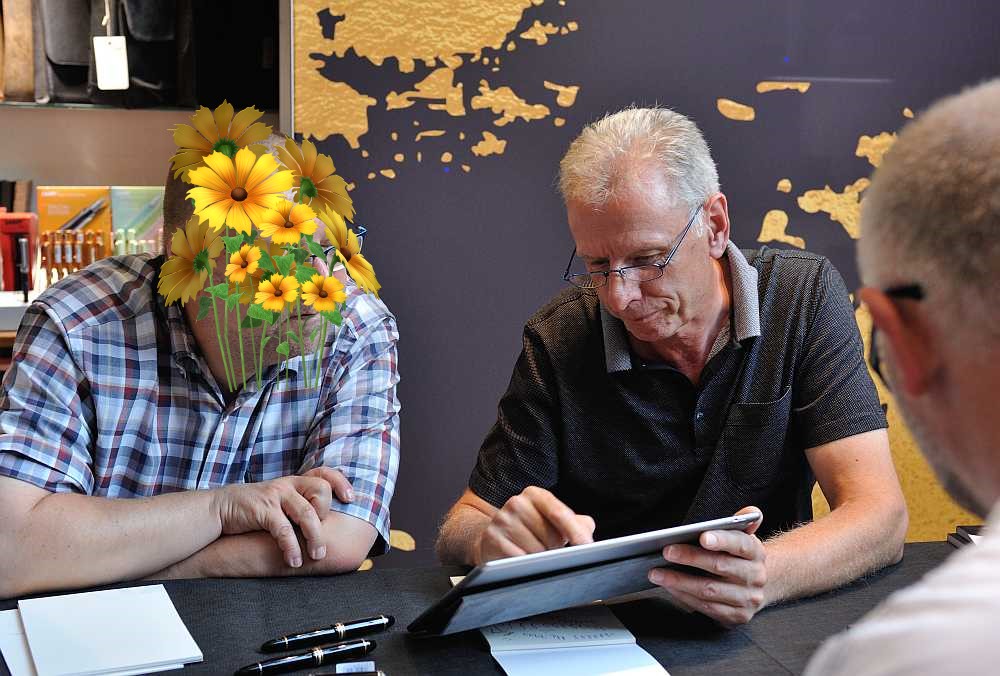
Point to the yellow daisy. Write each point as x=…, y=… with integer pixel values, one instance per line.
x=237, y=192
x=275, y=292
x=218, y=131
x=323, y=293
x=194, y=249
x=242, y=263
x=348, y=251
x=287, y=222
x=315, y=182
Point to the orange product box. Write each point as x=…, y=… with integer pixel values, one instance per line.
x=70, y=215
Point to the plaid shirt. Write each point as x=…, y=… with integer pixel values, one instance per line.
x=108, y=395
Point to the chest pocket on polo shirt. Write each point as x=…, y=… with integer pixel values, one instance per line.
x=753, y=441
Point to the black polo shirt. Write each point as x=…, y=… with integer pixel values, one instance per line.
x=639, y=447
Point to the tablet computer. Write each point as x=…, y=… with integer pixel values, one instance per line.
x=521, y=586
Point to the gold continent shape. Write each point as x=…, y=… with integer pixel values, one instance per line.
x=776, y=86
x=874, y=148
x=438, y=87
x=324, y=107
x=427, y=30
x=844, y=208
x=490, y=145
x=735, y=111
x=565, y=94
x=504, y=101
x=773, y=229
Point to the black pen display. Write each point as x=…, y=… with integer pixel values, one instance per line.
x=312, y=658
x=336, y=632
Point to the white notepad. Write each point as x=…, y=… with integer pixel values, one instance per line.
x=119, y=630
x=588, y=641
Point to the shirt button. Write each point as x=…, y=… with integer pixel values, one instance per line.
x=699, y=416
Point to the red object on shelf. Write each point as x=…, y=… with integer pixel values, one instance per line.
x=12, y=226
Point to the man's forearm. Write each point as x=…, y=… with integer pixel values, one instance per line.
x=854, y=539
x=459, y=534
x=257, y=554
x=68, y=540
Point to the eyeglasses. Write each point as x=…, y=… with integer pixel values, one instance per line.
x=637, y=273
x=906, y=291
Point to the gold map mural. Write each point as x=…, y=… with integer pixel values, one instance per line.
x=932, y=513
x=450, y=36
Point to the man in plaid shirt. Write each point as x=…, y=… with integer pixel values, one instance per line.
x=114, y=395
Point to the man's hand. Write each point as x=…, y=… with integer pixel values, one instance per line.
x=274, y=506
x=533, y=521
x=733, y=591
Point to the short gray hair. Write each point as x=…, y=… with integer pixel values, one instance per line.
x=932, y=213
x=592, y=168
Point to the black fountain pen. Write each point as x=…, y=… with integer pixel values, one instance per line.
x=313, y=658
x=337, y=632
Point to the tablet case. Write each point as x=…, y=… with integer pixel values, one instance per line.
x=480, y=607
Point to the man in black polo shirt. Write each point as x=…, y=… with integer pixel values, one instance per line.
x=682, y=379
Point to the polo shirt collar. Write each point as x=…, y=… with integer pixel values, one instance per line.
x=744, y=321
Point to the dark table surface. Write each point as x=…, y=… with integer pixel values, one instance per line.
x=229, y=619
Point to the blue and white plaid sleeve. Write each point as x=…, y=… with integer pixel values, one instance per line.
x=46, y=415
x=356, y=429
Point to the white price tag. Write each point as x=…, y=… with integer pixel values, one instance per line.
x=111, y=59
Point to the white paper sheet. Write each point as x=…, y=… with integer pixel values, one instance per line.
x=134, y=630
x=587, y=641
x=617, y=660
x=14, y=645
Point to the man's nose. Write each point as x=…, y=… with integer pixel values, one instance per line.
x=620, y=291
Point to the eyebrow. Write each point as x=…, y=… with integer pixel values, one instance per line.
x=643, y=253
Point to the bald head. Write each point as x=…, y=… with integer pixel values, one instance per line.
x=932, y=213
x=178, y=209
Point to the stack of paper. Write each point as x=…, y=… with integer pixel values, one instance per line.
x=587, y=641
x=119, y=631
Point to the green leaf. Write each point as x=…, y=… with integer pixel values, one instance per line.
x=284, y=263
x=258, y=312
x=250, y=323
x=233, y=243
x=295, y=337
x=312, y=336
x=300, y=255
x=304, y=274
x=282, y=348
x=219, y=290
x=333, y=316
x=233, y=301
x=317, y=250
x=204, y=306
x=308, y=238
x=267, y=263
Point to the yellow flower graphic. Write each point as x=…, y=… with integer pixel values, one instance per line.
x=315, y=182
x=275, y=292
x=323, y=293
x=237, y=192
x=348, y=251
x=287, y=222
x=242, y=263
x=219, y=131
x=194, y=249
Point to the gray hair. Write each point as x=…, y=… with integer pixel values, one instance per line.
x=932, y=213
x=606, y=150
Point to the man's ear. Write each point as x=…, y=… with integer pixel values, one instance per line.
x=907, y=343
x=717, y=213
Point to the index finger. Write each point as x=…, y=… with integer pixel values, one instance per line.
x=735, y=542
x=338, y=482
x=563, y=518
